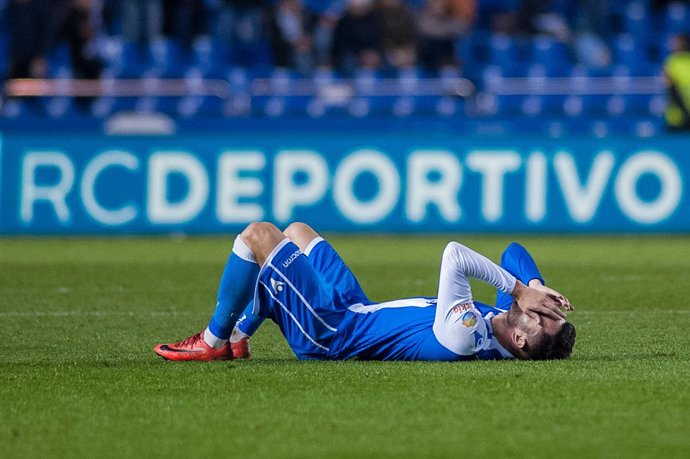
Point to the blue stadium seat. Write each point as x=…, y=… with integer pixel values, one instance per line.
x=552, y=55
x=677, y=18
x=239, y=79
x=503, y=51
x=403, y=107
x=632, y=53
x=192, y=106
x=102, y=107
x=636, y=20
x=212, y=57
x=657, y=105
x=134, y=61
x=170, y=59
x=573, y=106
x=617, y=105
x=531, y=106
x=449, y=106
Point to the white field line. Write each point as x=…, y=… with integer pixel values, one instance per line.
x=92, y=313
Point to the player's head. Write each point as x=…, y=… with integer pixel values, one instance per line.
x=540, y=337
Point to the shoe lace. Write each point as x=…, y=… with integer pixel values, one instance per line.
x=191, y=341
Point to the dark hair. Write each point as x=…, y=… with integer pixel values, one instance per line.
x=553, y=347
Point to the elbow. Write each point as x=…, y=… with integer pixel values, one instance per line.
x=453, y=254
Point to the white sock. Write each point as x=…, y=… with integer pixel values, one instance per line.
x=213, y=341
x=237, y=335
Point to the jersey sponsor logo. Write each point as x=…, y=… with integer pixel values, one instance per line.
x=277, y=286
x=469, y=319
x=478, y=339
x=458, y=308
x=291, y=258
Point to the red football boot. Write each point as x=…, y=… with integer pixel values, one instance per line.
x=241, y=349
x=193, y=348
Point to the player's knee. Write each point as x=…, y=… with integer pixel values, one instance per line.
x=256, y=232
x=512, y=248
x=300, y=233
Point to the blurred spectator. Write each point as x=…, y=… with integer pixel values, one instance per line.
x=141, y=20
x=532, y=17
x=439, y=30
x=357, y=38
x=80, y=32
x=465, y=10
x=324, y=29
x=183, y=20
x=398, y=33
x=591, y=29
x=539, y=17
x=677, y=78
x=241, y=26
x=291, y=36
x=30, y=26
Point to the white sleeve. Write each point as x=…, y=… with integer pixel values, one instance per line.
x=458, y=325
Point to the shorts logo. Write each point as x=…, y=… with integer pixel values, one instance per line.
x=291, y=258
x=277, y=285
x=469, y=319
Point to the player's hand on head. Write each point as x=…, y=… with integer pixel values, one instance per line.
x=558, y=296
x=534, y=302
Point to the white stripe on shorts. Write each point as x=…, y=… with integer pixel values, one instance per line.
x=294, y=319
x=304, y=300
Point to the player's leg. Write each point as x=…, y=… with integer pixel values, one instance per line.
x=305, y=238
x=299, y=300
x=251, y=248
x=328, y=263
x=518, y=262
x=249, y=322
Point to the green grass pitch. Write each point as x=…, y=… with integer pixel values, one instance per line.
x=78, y=378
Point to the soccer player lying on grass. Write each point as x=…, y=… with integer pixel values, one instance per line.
x=300, y=282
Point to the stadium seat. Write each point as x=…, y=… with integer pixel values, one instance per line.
x=633, y=54
x=449, y=106
x=403, y=107
x=211, y=57
x=573, y=106
x=636, y=21
x=504, y=53
x=552, y=55
x=531, y=106
x=169, y=58
x=616, y=105
x=134, y=61
x=677, y=18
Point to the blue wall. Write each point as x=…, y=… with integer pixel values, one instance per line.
x=342, y=182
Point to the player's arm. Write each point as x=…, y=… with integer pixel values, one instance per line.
x=458, y=325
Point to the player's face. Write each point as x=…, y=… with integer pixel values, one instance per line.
x=533, y=326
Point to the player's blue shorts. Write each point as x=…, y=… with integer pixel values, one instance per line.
x=307, y=295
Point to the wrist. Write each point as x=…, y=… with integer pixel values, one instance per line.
x=518, y=289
